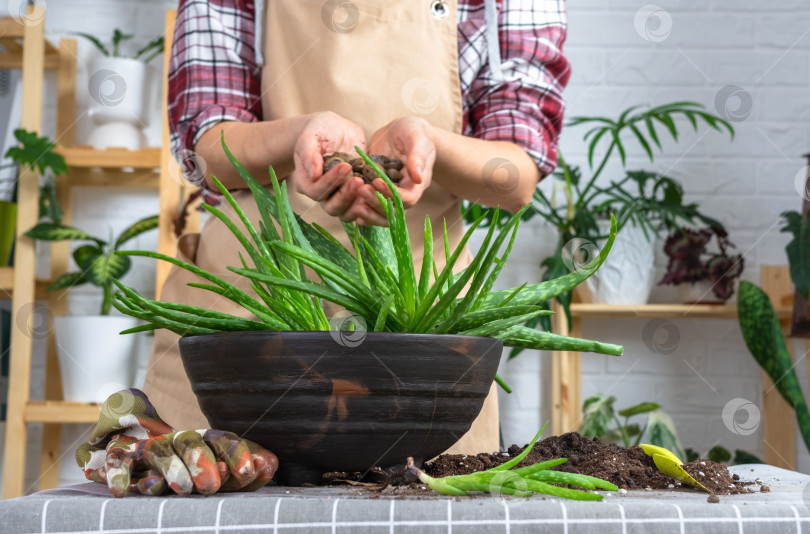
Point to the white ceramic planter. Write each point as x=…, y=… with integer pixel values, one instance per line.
x=94, y=360
x=117, y=102
x=698, y=292
x=626, y=277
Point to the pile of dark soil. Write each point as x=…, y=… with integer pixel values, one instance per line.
x=628, y=468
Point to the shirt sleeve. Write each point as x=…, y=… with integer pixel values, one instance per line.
x=213, y=74
x=525, y=104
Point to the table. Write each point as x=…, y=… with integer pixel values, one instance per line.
x=87, y=508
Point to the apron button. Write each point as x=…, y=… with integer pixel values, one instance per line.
x=438, y=9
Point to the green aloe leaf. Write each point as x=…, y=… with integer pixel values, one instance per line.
x=536, y=293
x=529, y=338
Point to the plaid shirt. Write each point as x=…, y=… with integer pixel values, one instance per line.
x=215, y=75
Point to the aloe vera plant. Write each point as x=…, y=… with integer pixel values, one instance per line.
x=521, y=482
x=377, y=280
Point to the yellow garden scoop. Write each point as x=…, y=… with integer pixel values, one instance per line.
x=671, y=465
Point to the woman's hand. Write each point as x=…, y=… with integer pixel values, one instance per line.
x=327, y=133
x=409, y=140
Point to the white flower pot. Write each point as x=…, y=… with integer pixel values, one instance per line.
x=94, y=360
x=626, y=277
x=116, y=87
x=699, y=292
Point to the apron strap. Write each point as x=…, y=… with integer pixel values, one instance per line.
x=493, y=38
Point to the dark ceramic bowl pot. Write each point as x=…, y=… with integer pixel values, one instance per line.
x=323, y=405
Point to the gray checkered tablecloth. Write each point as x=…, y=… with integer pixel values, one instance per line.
x=83, y=508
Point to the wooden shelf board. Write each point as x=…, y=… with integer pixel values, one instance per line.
x=95, y=177
x=672, y=311
x=14, y=61
x=61, y=412
x=7, y=284
x=112, y=158
x=12, y=33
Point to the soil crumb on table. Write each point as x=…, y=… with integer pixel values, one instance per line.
x=628, y=468
x=715, y=477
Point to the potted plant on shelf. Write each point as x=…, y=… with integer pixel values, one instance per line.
x=645, y=203
x=701, y=276
x=429, y=349
x=35, y=152
x=92, y=356
x=598, y=415
x=117, y=87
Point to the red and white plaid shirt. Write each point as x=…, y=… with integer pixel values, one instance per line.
x=215, y=75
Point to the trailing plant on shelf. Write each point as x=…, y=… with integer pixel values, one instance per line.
x=98, y=261
x=690, y=262
x=649, y=200
x=599, y=415
x=146, y=53
x=376, y=280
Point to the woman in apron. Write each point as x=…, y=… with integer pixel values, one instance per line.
x=288, y=81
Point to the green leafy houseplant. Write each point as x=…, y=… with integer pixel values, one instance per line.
x=598, y=415
x=798, y=250
x=645, y=199
x=98, y=262
x=721, y=455
x=146, y=54
x=763, y=336
x=690, y=262
x=37, y=153
x=376, y=280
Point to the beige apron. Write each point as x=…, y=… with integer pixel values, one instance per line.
x=370, y=63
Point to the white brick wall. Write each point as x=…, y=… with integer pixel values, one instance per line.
x=763, y=47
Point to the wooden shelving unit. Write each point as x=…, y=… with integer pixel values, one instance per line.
x=566, y=366
x=25, y=47
x=61, y=412
x=668, y=311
